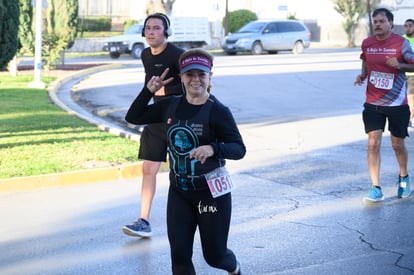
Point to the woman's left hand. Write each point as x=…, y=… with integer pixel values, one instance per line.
x=157, y=82
x=201, y=153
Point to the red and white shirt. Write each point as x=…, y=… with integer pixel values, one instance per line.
x=386, y=85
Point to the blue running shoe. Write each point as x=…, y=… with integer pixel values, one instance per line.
x=140, y=228
x=374, y=195
x=404, y=189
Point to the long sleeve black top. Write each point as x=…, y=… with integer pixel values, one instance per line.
x=227, y=144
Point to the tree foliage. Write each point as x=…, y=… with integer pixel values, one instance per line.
x=61, y=29
x=239, y=18
x=353, y=11
x=9, y=27
x=26, y=35
x=163, y=6
x=168, y=5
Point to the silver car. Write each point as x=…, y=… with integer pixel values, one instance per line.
x=272, y=36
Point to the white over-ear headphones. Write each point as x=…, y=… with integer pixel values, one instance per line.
x=164, y=19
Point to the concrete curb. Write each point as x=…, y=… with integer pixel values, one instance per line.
x=83, y=176
x=70, y=178
x=100, y=123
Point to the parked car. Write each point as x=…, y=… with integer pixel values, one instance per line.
x=187, y=32
x=268, y=36
x=129, y=42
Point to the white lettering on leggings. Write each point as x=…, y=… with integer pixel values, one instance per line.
x=206, y=208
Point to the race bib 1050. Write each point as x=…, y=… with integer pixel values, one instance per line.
x=219, y=182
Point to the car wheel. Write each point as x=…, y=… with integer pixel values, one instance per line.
x=136, y=51
x=298, y=47
x=257, y=48
x=114, y=55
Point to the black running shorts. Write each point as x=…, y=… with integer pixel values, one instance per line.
x=375, y=117
x=153, y=143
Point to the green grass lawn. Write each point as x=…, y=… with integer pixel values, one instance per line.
x=37, y=137
x=97, y=34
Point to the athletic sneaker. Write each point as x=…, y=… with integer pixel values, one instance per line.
x=237, y=271
x=140, y=228
x=374, y=195
x=404, y=189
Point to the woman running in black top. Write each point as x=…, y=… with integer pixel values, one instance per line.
x=201, y=134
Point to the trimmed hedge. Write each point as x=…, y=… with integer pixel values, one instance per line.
x=239, y=18
x=95, y=24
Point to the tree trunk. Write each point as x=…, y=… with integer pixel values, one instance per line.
x=62, y=58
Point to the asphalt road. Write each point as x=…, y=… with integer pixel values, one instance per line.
x=298, y=206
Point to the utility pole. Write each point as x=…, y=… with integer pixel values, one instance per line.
x=226, y=19
x=37, y=82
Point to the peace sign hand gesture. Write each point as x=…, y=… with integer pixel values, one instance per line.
x=157, y=82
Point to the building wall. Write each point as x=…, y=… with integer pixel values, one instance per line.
x=119, y=10
x=325, y=23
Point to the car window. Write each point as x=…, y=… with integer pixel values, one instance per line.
x=271, y=28
x=278, y=26
x=297, y=27
x=252, y=27
x=134, y=29
x=285, y=27
x=291, y=27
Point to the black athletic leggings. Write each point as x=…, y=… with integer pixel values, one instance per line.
x=186, y=211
